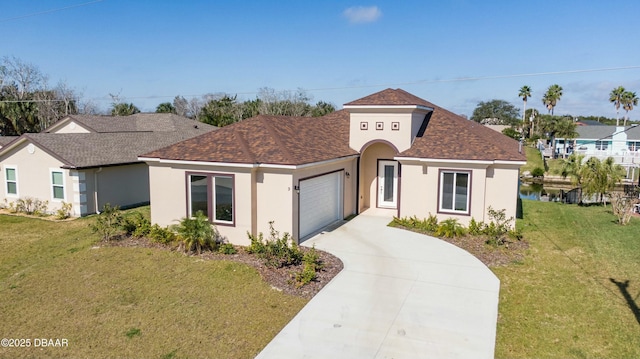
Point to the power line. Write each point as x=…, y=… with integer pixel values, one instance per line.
x=49, y=11
x=458, y=79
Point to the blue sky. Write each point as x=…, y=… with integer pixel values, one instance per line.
x=338, y=51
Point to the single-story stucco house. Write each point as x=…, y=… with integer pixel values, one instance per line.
x=388, y=150
x=89, y=161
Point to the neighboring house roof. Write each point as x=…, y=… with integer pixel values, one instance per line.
x=391, y=97
x=602, y=132
x=281, y=140
x=139, y=122
x=5, y=140
x=497, y=128
x=589, y=123
x=107, y=147
x=287, y=140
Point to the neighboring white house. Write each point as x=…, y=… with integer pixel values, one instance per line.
x=388, y=150
x=89, y=161
x=619, y=142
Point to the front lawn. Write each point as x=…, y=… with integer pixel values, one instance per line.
x=576, y=294
x=128, y=302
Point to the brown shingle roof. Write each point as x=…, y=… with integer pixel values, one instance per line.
x=300, y=140
x=268, y=139
x=139, y=122
x=391, y=97
x=450, y=136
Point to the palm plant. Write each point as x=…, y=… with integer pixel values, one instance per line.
x=197, y=233
x=629, y=99
x=574, y=167
x=551, y=97
x=615, y=97
x=525, y=93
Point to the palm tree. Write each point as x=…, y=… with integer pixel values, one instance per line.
x=166, y=107
x=551, y=97
x=615, y=97
x=525, y=93
x=629, y=99
x=575, y=168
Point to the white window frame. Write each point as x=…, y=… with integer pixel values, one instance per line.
x=602, y=145
x=52, y=185
x=453, y=194
x=6, y=181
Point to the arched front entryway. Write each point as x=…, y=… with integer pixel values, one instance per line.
x=379, y=176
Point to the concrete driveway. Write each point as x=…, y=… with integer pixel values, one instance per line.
x=400, y=295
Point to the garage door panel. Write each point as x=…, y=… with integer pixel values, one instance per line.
x=320, y=202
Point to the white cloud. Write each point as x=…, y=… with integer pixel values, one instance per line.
x=362, y=14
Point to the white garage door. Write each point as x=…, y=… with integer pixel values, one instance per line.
x=320, y=202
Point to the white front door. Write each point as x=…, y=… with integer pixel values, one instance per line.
x=388, y=184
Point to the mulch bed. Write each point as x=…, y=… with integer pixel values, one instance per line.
x=491, y=256
x=281, y=279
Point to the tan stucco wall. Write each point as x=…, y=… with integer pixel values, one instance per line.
x=369, y=172
x=261, y=195
x=409, y=121
x=34, y=175
x=491, y=185
x=168, y=196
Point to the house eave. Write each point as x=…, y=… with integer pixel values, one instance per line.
x=246, y=165
x=476, y=162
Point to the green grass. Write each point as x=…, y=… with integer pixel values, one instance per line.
x=533, y=160
x=128, y=302
x=560, y=302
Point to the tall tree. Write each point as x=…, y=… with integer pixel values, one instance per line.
x=551, y=97
x=629, y=99
x=221, y=111
x=322, y=108
x=124, y=109
x=165, y=107
x=525, y=93
x=495, y=112
x=615, y=97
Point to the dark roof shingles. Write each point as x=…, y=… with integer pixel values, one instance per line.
x=279, y=140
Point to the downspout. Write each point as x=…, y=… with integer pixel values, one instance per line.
x=95, y=189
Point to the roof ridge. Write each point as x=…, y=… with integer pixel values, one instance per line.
x=281, y=144
x=244, y=144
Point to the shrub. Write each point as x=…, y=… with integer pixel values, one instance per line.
x=227, y=248
x=276, y=251
x=311, y=265
x=197, y=233
x=162, y=235
x=428, y=225
x=537, y=172
x=136, y=225
x=498, y=227
x=622, y=206
x=450, y=228
x=475, y=228
x=64, y=211
x=108, y=223
x=32, y=206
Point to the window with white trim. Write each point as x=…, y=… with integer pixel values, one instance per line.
x=11, y=181
x=454, y=191
x=211, y=194
x=633, y=145
x=57, y=185
x=602, y=145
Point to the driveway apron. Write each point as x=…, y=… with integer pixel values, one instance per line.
x=400, y=295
